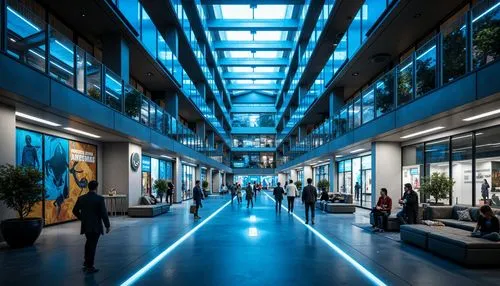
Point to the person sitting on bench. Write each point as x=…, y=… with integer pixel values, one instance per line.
x=487, y=226
x=382, y=211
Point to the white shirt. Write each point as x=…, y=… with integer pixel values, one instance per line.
x=291, y=190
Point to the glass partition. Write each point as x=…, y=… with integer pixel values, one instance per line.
x=133, y=99
x=384, y=94
x=368, y=105
x=93, y=75
x=485, y=32
x=113, y=90
x=405, y=81
x=426, y=68
x=454, y=48
x=62, y=57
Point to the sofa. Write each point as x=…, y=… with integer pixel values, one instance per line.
x=148, y=208
x=453, y=240
x=343, y=205
x=393, y=221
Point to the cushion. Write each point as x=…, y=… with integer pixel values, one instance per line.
x=465, y=225
x=145, y=200
x=432, y=223
x=474, y=214
x=464, y=215
x=454, y=214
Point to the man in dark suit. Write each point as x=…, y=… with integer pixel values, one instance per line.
x=309, y=195
x=197, y=197
x=278, y=196
x=409, y=213
x=90, y=209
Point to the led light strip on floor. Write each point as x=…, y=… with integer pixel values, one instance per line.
x=162, y=255
x=339, y=251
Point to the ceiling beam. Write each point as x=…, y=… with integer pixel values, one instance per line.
x=253, y=62
x=253, y=25
x=253, y=46
x=234, y=86
x=250, y=2
x=254, y=75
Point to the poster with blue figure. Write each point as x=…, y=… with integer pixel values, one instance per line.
x=56, y=171
x=29, y=149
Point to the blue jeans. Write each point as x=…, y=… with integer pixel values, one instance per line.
x=493, y=236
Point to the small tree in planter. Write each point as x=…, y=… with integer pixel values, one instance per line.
x=323, y=184
x=298, y=184
x=161, y=187
x=204, y=186
x=20, y=189
x=438, y=185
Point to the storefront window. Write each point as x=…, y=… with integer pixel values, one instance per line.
x=320, y=173
x=356, y=179
x=146, y=175
x=488, y=166
x=253, y=160
x=253, y=141
x=366, y=181
x=437, y=160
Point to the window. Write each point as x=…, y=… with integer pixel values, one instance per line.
x=148, y=35
x=485, y=32
x=461, y=155
x=454, y=46
x=354, y=36
x=253, y=119
x=368, y=105
x=437, y=160
x=405, y=81
x=426, y=68
x=488, y=165
x=131, y=10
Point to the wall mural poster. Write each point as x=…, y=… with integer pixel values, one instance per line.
x=82, y=169
x=56, y=179
x=495, y=176
x=29, y=151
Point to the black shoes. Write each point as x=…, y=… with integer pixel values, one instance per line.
x=90, y=270
x=197, y=217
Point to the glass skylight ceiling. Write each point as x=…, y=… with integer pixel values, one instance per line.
x=236, y=33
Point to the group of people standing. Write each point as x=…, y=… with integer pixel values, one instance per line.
x=309, y=197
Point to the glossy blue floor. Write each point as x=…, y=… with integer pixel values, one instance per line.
x=233, y=245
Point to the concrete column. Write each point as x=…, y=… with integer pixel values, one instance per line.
x=119, y=173
x=172, y=40
x=7, y=149
x=293, y=175
x=200, y=129
x=197, y=173
x=282, y=178
x=172, y=104
x=332, y=174
x=336, y=100
x=209, y=179
x=308, y=173
x=178, y=180
x=116, y=55
x=224, y=179
x=216, y=181
x=386, y=170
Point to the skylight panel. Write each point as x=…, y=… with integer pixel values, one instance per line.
x=236, y=12
x=240, y=69
x=267, y=54
x=268, y=36
x=265, y=69
x=238, y=36
x=240, y=54
x=270, y=11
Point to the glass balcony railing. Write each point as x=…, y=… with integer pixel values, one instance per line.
x=72, y=66
x=415, y=76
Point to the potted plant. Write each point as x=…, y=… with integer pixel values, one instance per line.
x=204, y=186
x=20, y=189
x=160, y=186
x=323, y=184
x=298, y=184
x=438, y=185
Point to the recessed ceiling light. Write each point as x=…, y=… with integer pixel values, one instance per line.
x=422, y=132
x=37, y=119
x=486, y=114
x=355, y=73
x=339, y=156
x=150, y=74
x=357, y=151
x=81, y=132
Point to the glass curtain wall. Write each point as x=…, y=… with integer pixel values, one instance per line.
x=423, y=159
x=355, y=178
x=188, y=180
x=320, y=173
x=152, y=170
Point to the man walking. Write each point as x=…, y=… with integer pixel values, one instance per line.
x=197, y=197
x=278, y=196
x=291, y=193
x=309, y=195
x=90, y=209
x=249, y=195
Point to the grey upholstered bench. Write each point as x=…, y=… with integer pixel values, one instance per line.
x=148, y=210
x=339, y=208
